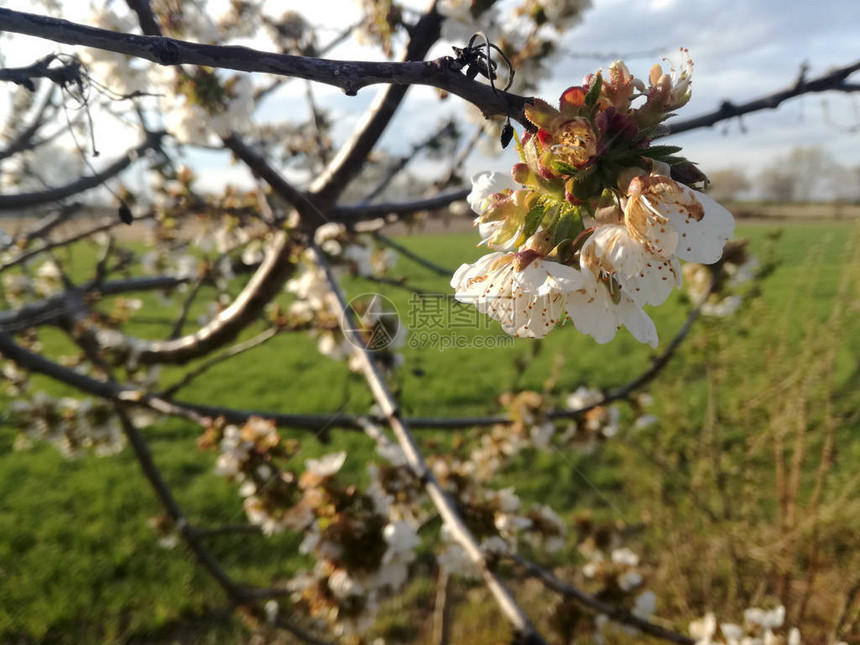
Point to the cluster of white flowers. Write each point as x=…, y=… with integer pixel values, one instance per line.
x=196, y=22
x=44, y=281
x=614, y=570
x=644, y=606
x=599, y=423
x=529, y=428
x=73, y=426
x=192, y=122
x=363, y=542
x=495, y=517
x=315, y=301
x=354, y=252
x=622, y=566
x=362, y=552
x=120, y=73
x=348, y=597
x=241, y=19
x=393, y=487
x=14, y=380
x=760, y=627
x=165, y=531
x=592, y=224
x=247, y=458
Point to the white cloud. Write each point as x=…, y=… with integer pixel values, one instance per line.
x=741, y=48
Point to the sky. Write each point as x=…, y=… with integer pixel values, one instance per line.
x=741, y=50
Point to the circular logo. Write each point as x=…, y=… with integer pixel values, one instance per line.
x=376, y=319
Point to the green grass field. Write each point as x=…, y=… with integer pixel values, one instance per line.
x=79, y=564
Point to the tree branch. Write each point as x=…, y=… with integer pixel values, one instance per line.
x=239, y=594
x=407, y=253
x=351, y=157
x=443, y=503
x=240, y=348
x=263, y=286
x=69, y=72
x=23, y=140
x=352, y=76
x=26, y=200
x=348, y=76
x=618, y=614
x=359, y=213
x=312, y=422
x=43, y=226
x=104, y=225
x=831, y=81
x=46, y=311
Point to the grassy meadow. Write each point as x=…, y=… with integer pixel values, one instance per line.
x=745, y=492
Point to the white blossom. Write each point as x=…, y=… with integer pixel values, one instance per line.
x=528, y=301
x=703, y=629
x=766, y=619
x=644, y=276
x=594, y=311
x=343, y=586
x=672, y=219
x=326, y=466
x=625, y=556
x=629, y=580
x=732, y=632
x=645, y=604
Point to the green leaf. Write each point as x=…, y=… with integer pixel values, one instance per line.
x=659, y=152
x=562, y=168
x=533, y=219
x=569, y=225
x=594, y=91
x=562, y=251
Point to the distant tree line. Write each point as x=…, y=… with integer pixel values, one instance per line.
x=806, y=173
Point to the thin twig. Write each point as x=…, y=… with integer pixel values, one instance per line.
x=834, y=80
x=408, y=253
x=357, y=213
x=179, y=323
x=237, y=349
x=397, y=283
x=398, y=166
x=443, y=503
x=23, y=140
x=352, y=156
x=46, y=311
x=317, y=122
x=347, y=75
x=67, y=73
x=104, y=225
x=618, y=614
x=262, y=93
x=442, y=608
x=35, y=198
x=43, y=226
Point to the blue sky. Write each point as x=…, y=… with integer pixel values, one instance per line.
x=741, y=50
